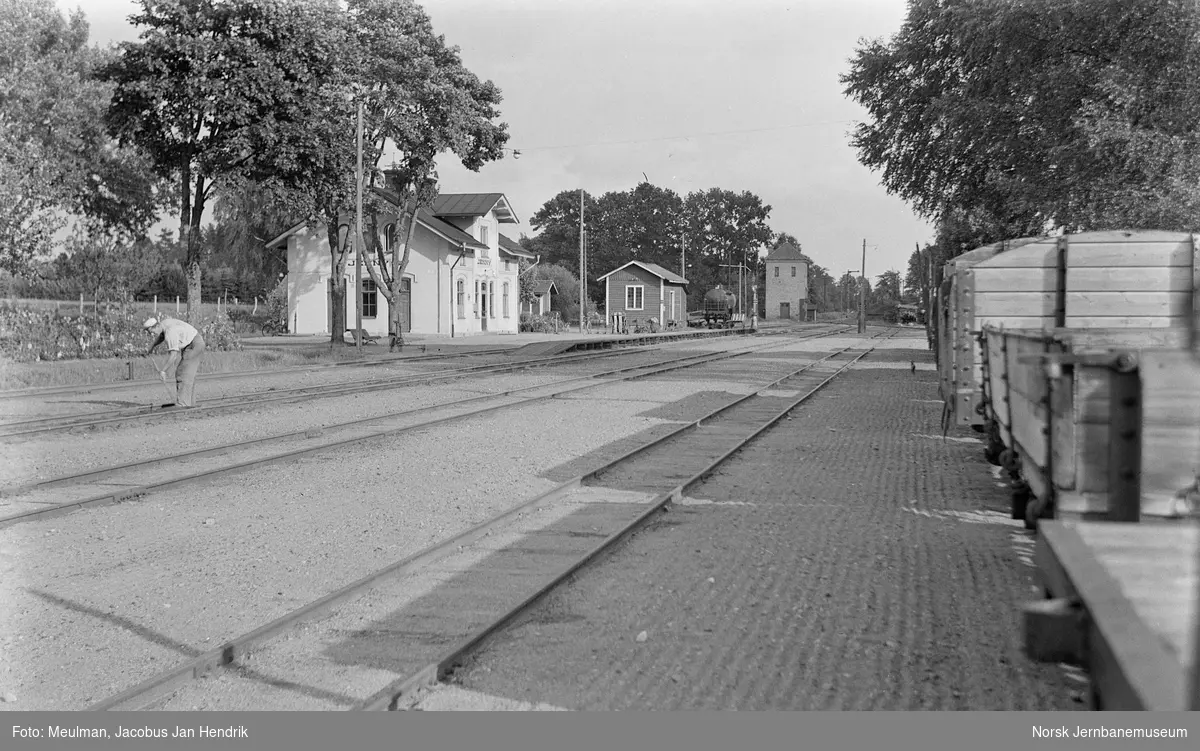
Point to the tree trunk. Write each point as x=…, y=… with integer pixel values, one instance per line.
x=399, y=263
x=337, y=299
x=337, y=283
x=194, y=277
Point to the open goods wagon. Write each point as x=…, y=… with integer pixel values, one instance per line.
x=957, y=334
x=1119, y=598
x=1095, y=424
x=1095, y=280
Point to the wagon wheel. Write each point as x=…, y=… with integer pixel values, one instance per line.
x=994, y=451
x=1033, y=512
x=1020, y=502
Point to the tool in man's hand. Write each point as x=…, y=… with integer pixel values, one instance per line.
x=162, y=376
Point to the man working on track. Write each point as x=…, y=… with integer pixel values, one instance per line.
x=186, y=346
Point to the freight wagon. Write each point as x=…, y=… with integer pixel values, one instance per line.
x=1097, y=280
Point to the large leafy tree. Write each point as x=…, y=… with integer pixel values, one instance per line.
x=221, y=90
x=724, y=230
x=417, y=95
x=642, y=224
x=56, y=161
x=557, y=226
x=1015, y=117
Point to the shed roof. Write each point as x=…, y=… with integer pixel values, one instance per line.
x=542, y=286
x=653, y=268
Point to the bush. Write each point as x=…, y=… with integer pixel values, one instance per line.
x=547, y=324
x=111, y=331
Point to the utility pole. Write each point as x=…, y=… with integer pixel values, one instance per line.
x=929, y=335
x=582, y=272
x=358, y=238
x=862, y=293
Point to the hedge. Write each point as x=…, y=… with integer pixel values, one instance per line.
x=111, y=331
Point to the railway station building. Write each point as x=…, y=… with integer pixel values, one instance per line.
x=787, y=283
x=461, y=278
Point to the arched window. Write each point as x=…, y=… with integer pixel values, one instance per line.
x=475, y=301
x=506, y=299
x=389, y=238
x=462, y=299
x=491, y=300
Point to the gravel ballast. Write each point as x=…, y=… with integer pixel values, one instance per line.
x=100, y=599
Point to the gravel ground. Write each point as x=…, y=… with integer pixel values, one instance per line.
x=100, y=599
x=849, y=559
x=33, y=460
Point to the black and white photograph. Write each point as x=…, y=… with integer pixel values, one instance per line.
x=778, y=356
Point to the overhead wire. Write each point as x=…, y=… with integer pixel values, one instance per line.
x=683, y=137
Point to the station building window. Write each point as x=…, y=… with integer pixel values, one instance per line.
x=370, y=299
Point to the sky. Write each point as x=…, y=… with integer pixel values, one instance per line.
x=688, y=94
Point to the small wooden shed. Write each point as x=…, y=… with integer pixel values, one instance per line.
x=543, y=289
x=640, y=291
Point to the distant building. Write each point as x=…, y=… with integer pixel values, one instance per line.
x=540, y=304
x=641, y=291
x=461, y=277
x=787, y=283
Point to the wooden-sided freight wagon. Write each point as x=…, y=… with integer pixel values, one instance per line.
x=1095, y=424
x=1097, y=280
x=1056, y=315
x=958, y=325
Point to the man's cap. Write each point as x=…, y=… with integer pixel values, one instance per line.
x=150, y=323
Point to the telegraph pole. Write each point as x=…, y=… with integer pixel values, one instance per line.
x=358, y=238
x=862, y=293
x=582, y=273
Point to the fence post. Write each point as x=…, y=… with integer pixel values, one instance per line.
x=176, y=304
x=81, y=303
x=156, y=303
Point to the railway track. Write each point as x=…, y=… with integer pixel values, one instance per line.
x=92, y=388
x=75, y=422
x=65, y=494
x=446, y=601
x=144, y=414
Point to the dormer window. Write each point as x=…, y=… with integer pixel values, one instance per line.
x=483, y=235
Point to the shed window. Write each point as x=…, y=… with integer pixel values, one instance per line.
x=777, y=271
x=793, y=271
x=634, y=297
